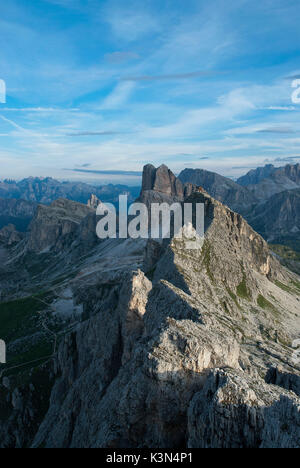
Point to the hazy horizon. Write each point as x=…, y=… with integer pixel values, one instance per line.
x=135, y=180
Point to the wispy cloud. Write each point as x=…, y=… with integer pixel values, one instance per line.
x=12, y=123
x=280, y=130
x=289, y=159
x=175, y=76
x=39, y=109
x=280, y=108
x=130, y=22
x=293, y=77
x=118, y=97
x=104, y=133
x=108, y=172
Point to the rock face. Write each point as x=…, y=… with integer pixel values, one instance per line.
x=93, y=202
x=238, y=198
x=267, y=197
x=256, y=175
x=238, y=411
x=10, y=236
x=162, y=180
x=174, y=347
x=160, y=185
x=268, y=181
x=279, y=217
x=52, y=224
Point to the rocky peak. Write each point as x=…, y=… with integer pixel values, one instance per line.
x=161, y=185
x=149, y=174
x=269, y=180
x=162, y=180
x=94, y=202
x=256, y=175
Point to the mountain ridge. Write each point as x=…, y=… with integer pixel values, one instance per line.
x=46, y=190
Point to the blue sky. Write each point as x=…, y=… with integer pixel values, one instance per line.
x=112, y=85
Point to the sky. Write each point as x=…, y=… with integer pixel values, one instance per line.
x=95, y=86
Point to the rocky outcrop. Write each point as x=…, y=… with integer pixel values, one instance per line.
x=94, y=202
x=52, y=224
x=162, y=180
x=160, y=185
x=238, y=411
x=268, y=181
x=256, y=175
x=279, y=217
x=10, y=236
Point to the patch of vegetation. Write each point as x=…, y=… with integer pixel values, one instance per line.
x=296, y=284
x=266, y=305
x=22, y=330
x=206, y=255
x=284, y=287
x=242, y=290
x=16, y=316
x=233, y=297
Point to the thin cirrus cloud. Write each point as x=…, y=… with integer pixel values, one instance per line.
x=175, y=76
x=38, y=109
x=108, y=172
x=280, y=108
x=288, y=159
x=279, y=130
x=293, y=77
x=104, y=133
x=119, y=96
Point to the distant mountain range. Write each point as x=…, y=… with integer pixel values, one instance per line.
x=265, y=182
x=278, y=219
x=227, y=191
x=268, y=197
x=47, y=190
